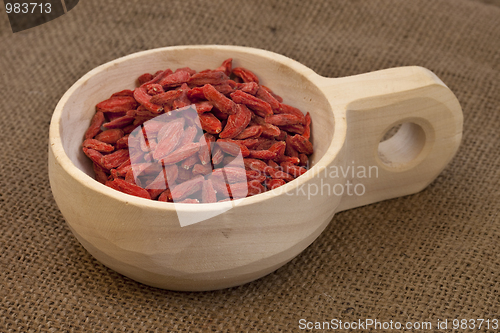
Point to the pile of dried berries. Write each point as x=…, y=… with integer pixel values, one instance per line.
x=191, y=137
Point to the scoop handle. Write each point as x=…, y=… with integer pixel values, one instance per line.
x=409, y=161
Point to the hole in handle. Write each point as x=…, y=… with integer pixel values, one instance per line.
x=401, y=145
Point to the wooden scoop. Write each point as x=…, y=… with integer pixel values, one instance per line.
x=248, y=238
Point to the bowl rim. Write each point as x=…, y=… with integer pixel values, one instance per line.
x=332, y=151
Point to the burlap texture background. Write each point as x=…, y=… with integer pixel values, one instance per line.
x=433, y=255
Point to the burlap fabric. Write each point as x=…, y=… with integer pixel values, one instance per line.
x=429, y=256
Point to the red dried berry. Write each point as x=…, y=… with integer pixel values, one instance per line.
x=245, y=74
x=226, y=66
x=210, y=123
x=110, y=136
x=260, y=107
x=98, y=145
x=117, y=104
x=301, y=144
x=221, y=102
x=95, y=125
x=236, y=123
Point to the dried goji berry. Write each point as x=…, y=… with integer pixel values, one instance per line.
x=186, y=69
x=301, y=144
x=95, y=125
x=289, y=159
x=171, y=173
x=125, y=92
x=278, y=148
x=255, y=187
x=183, y=190
x=245, y=74
x=250, y=143
x=288, y=109
x=282, y=136
x=266, y=96
x=219, y=114
x=158, y=76
x=303, y=160
x=122, y=171
x=210, y=78
x=165, y=196
x=155, y=193
x=100, y=173
x=121, y=122
x=169, y=140
x=221, y=102
x=117, y=104
x=226, y=67
x=146, y=77
x=277, y=97
x=253, y=131
x=290, y=150
x=217, y=155
x=273, y=164
x=167, y=127
x=129, y=177
x=189, y=162
x=307, y=127
x=98, y=145
x=205, y=151
x=131, y=189
x=94, y=155
x=181, y=153
x=154, y=89
x=208, y=193
x=249, y=87
x=292, y=169
x=262, y=154
x=260, y=107
x=230, y=174
x=196, y=94
x=141, y=96
x=166, y=98
x=221, y=188
x=200, y=169
x=236, y=123
x=110, y=136
x=278, y=174
x=115, y=159
x=224, y=88
x=272, y=183
x=182, y=100
x=254, y=164
x=233, y=147
x=210, y=123
x=175, y=79
x=296, y=129
x=264, y=144
x=255, y=175
x=202, y=107
x=283, y=119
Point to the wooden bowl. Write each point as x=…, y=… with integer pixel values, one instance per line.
x=251, y=237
